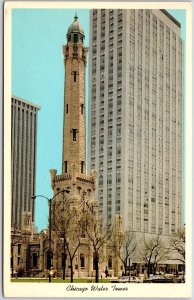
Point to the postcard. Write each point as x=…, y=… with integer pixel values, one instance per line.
x=97, y=149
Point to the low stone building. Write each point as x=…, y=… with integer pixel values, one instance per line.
x=30, y=250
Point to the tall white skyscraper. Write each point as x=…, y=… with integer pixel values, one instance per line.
x=136, y=117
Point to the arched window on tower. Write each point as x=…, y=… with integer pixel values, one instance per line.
x=65, y=164
x=82, y=166
x=79, y=189
x=74, y=75
x=82, y=108
x=74, y=134
x=75, y=38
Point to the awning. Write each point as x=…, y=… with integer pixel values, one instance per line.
x=171, y=262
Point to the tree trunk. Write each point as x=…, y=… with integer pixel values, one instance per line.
x=148, y=268
x=71, y=264
x=154, y=269
x=64, y=266
x=96, y=267
x=125, y=269
x=64, y=258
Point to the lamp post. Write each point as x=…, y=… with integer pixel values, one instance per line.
x=65, y=243
x=49, y=201
x=64, y=257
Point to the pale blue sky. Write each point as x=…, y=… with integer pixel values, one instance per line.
x=38, y=76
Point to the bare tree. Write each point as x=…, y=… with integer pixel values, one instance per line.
x=60, y=229
x=152, y=252
x=97, y=235
x=177, y=245
x=123, y=246
x=160, y=253
x=72, y=247
x=66, y=225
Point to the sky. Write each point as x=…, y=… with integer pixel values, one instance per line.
x=38, y=76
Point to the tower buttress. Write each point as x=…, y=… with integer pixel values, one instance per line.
x=74, y=135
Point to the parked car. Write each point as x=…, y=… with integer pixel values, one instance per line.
x=147, y=280
x=135, y=279
x=162, y=280
x=158, y=279
x=156, y=276
x=125, y=279
x=179, y=279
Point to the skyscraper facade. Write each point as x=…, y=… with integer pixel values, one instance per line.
x=23, y=158
x=136, y=117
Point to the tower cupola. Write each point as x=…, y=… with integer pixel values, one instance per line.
x=75, y=32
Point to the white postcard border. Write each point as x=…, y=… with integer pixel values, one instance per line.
x=60, y=289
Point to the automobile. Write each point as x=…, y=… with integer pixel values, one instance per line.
x=135, y=280
x=181, y=276
x=122, y=279
x=158, y=279
x=125, y=279
x=147, y=280
x=179, y=279
x=162, y=280
x=156, y=276
x=180, y=273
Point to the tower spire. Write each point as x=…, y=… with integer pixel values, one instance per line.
x=75, y=31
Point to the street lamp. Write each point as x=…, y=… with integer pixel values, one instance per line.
x=49, y=201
